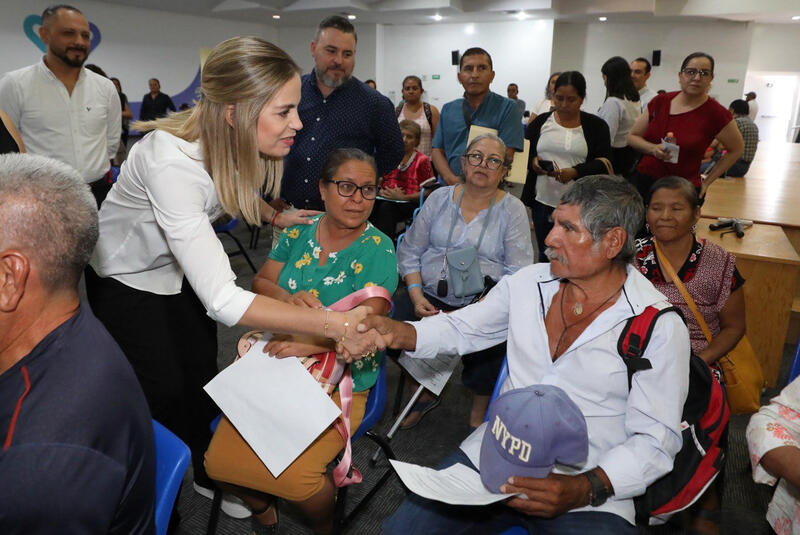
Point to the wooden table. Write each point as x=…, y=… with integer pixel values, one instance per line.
x=770, y=265
x=770, y=193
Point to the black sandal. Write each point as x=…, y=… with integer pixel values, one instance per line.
x=262, y=529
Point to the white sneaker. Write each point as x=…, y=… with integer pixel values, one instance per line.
x=231, y=505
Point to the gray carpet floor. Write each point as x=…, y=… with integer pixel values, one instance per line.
x=744, y=502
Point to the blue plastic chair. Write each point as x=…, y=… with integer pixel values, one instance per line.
x=226, y=228
x=794, y=371
x=172, y=459
x=376, y=401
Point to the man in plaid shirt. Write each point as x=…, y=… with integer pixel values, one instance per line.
x=740, y=110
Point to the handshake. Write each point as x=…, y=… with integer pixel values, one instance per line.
x=366, y=333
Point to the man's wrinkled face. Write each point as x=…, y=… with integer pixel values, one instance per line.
x=570, y=248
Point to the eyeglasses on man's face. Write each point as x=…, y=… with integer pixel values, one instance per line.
x=691, y=73
x=348, y=189
x=476, y=158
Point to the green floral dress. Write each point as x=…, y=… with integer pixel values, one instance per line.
x=368, y=261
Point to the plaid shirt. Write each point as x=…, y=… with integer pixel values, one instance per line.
x=750, y=134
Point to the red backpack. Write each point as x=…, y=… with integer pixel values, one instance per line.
x=705, y=417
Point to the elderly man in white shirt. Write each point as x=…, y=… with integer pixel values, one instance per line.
x=562, y=321
x=62, y=110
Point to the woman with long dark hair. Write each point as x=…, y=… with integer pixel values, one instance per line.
x=620, y=110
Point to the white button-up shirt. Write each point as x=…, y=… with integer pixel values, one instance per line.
x=155, y=226
x=633, y=435
x=81, y=129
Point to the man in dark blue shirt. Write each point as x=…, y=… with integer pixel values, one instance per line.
x=155, y=104
x=338, y=111
x=76, y=438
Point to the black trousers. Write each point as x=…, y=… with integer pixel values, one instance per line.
x=100, y=189
x=386, y=215
x=480, y=368
x=172, y=346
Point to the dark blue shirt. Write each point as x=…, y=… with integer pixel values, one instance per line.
x=494, y=111
x=353, y=116
x=76, y=438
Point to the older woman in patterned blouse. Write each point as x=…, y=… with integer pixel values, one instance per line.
x=314, y=266
x=710, y=276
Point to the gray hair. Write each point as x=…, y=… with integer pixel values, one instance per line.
x=494, y=137
x=607, y=202
x=48, y=211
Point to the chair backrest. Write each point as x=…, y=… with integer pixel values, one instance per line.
x=794, y=371
x=501, y=378
x=375, y=403
x=172, y=459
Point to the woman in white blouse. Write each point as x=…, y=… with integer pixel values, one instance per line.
x=620, y=110
x=159, y=278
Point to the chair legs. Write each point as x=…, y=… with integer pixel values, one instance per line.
x=341, y=520
x=213, y=517
x=241, y=251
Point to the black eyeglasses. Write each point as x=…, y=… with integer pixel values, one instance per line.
x=348, y=189
x=691, y=73
x=475, y=159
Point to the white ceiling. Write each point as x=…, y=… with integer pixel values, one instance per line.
x=309, y=12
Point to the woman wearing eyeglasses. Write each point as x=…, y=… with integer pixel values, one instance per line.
x=313, y=266
x=475, y=213
x=690, y=119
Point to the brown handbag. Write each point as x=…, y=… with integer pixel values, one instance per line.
x=743, y=376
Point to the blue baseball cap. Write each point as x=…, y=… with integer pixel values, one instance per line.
x=530, y=430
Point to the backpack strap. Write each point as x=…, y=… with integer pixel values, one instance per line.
x=428, y=113
x=399, y=109
x=634, y=339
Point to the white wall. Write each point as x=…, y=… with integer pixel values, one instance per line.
x=585, y=47
x=775, y=48
x=136, y=44
x=520, y=53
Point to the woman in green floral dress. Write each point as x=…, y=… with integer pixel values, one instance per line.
x=315, y=266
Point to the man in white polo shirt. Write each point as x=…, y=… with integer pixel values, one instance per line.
x=62, y=110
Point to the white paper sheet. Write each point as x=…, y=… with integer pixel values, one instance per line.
x=456, y=485
x=674, y=151
x=275, y=404
x=433, y=373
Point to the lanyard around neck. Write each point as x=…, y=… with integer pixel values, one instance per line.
x=455, y=216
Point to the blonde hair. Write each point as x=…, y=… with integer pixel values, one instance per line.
x=245, y=72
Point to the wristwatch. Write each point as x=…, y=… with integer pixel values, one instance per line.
x=599, y=492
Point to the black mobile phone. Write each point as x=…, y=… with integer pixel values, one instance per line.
x=547, y=165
